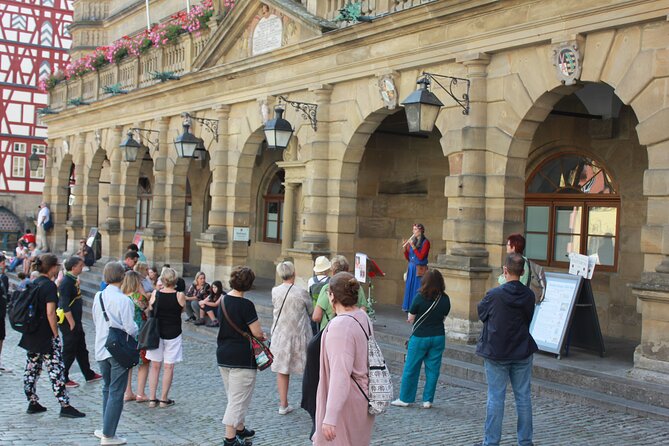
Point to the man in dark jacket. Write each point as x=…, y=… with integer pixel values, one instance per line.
x=507, y=348
x=74, y=339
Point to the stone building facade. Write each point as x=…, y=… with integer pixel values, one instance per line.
x=569, y=147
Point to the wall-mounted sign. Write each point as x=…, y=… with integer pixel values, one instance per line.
x=240, y=234
x=267, y=35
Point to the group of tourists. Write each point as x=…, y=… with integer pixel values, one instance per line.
x=321, y=333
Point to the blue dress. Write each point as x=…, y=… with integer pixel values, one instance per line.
x=415, y=256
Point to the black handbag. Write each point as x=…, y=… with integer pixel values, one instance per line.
x=149, y=335
x=120, y=344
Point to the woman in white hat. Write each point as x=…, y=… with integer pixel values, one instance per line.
x=320, y=278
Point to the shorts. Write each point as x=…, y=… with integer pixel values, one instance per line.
x=169, y=351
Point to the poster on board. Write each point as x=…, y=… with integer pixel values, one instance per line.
x=551, y=317
x=361, y=267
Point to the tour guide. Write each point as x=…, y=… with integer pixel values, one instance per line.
x=507, y=347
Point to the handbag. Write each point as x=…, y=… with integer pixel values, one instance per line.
x=421, y=270
x=421, y=319
x=149, y=335
x=261, y=351
x=120, y=344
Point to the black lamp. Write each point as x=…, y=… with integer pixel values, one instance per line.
x=278, y=131
x=422, y=107
x=34, y=161
x=130, y=147
x=201, y=153
x=186, y=143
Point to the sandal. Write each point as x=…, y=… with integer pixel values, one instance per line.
x=166, y=403
x=141, y=399
x=153, y=403
x=129, y=398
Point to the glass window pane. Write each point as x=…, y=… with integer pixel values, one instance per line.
x=604, y=247
x=536, y=246
x=568, y=219
x=564, y=244
x=536, y=218
x=602, y=221
x=272, y=229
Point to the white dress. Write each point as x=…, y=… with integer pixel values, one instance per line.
x=292, y=333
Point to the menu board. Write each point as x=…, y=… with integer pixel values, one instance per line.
x=551, y=317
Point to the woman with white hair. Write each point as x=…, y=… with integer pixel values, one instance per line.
x=291, y=331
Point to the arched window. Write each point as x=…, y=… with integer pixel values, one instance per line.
x=273, y=213
x=144, y=198
x=571, y=205
x=46, y=34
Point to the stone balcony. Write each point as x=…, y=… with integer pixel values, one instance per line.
x=132, y=72
x=329, y=9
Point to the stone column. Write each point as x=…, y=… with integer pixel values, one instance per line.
x=214, y=241
x=75, y=225
x=110, y=230
x=313, y=241
x=154, y=234
x=288, y=219
x=465, y=266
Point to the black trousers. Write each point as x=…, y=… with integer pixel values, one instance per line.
x=74, y=347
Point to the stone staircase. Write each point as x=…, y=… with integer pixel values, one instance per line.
x=583, y=378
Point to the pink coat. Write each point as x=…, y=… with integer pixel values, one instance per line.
x=339, y=401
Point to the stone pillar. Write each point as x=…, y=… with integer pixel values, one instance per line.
x=75, y=225
x=110, y=230
x=465, y=266
x=313, y=241
x=154, y=234
x=288, y=219
x=214, y=241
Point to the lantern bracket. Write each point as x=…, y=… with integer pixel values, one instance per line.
x=144, y=137
x=453, y=82
x=210, y=124
x=307, y=109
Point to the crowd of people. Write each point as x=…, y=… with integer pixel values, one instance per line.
x=320, y=332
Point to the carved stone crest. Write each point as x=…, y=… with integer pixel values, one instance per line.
x=568, y=62
x=388, y=91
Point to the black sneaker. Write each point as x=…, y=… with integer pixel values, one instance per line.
x=71, y=412
x=236, y=442
x=246, y=434
x=35, y=407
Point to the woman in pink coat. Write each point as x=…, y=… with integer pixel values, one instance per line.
x=341, y=407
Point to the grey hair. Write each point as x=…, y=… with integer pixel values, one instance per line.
x=285, y=270
x=339, y=264
x=168, y=277
x=113, y=272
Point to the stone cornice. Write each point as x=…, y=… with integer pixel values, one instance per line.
x=445, y=20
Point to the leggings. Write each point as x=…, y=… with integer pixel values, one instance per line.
x=56, y=369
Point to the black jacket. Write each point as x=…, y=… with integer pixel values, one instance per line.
x=506, y=313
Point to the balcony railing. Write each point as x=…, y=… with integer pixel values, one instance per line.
x=132, y=72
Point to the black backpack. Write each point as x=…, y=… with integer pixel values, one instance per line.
x=23, y=309
x=315, y=289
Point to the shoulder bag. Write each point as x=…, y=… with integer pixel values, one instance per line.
x=421, y=319
x=261, y=352
x=149, y=335
x=120, y=344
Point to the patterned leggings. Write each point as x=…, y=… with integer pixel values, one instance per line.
x=55, y=367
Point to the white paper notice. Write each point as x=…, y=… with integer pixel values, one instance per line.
x=361, y=267
x=578, y=265
x=592, y=261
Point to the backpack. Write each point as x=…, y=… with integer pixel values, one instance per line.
x=48, y=224
x=316, y=287
x=23, y=309
x=380, y=382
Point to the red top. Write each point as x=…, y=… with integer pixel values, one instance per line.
x=421, y=254
x=29, y=238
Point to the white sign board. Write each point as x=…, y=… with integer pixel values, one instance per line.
x=584, y=266
x=267, y=35
x=240, y=234
x=361, y=267
x=552, y=315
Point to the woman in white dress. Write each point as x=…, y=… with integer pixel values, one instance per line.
x=291, y=331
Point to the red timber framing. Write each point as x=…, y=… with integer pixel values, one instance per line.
x=33, y=43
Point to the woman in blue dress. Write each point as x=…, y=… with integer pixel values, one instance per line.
x=416, y=250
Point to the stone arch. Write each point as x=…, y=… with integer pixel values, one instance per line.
x=59, y=203
x=93, y=196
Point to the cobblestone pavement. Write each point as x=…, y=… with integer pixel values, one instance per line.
x=456, y=419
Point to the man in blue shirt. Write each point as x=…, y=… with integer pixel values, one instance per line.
x=506, y=346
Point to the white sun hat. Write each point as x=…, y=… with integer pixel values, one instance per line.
x=322, y=264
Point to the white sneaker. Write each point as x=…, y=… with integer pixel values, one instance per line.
x=98, y=433
x=285, y=410
x=399, y=403
x=427, y=405
x=113, y=440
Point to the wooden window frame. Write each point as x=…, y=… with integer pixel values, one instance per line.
x=269, y=199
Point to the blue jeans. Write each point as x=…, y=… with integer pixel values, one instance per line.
x=115, y=379
x=428, y=350
x=498, y=373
